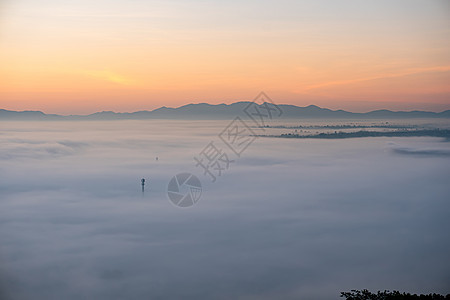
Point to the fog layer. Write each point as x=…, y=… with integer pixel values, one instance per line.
x=289, y=219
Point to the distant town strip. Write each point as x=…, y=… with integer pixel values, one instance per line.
x=444, y=133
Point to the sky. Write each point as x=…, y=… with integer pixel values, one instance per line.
x=62, y=56
x=290, y=219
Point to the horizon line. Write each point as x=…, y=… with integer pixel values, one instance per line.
x=205, y=103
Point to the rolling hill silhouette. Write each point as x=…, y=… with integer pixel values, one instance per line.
x=205, y=111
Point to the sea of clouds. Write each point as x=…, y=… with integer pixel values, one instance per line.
x=290, y=218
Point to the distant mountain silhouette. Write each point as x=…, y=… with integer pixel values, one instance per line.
x=205, y=111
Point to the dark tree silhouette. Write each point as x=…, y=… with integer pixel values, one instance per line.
x=387, y=295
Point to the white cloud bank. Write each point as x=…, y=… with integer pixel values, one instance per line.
x=292, y=219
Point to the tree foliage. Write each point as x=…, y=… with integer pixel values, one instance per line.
x=387, y=295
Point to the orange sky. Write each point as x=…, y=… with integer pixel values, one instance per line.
x=81, y=57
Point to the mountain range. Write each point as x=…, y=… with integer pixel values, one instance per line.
x=205, y=111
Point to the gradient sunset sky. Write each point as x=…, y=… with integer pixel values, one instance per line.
x=83, y=56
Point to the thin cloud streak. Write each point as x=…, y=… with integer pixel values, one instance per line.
x=110, y=77
x=412, y=71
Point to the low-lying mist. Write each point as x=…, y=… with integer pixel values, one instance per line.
x=289, y=219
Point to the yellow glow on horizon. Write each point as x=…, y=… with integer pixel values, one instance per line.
x=87, y=56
